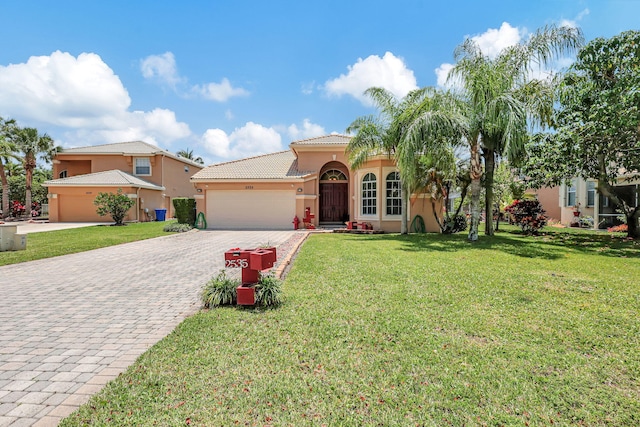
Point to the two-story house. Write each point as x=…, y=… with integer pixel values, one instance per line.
x=149, y=175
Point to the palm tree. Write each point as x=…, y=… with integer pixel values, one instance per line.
x=7, y=152
x=32, y=144
x=503, y=99
x=383, y=135
x=188, y=154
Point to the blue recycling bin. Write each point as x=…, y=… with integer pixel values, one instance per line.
x=161, y=214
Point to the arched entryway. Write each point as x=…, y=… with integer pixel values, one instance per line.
x=334, y=193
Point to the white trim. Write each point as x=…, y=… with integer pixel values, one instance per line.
x=135, y=166
x=306, y=196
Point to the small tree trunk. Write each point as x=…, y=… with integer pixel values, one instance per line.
x=489, y=165
x=5, y=192
x=633, y=230
x=27, y=197
x=475, y=173
x=404, y=228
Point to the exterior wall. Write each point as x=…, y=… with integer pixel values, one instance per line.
x=75, y=204
x=171, y=173
x=548, y=198
x=567, y=209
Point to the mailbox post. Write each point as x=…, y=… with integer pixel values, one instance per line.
x=252, y=262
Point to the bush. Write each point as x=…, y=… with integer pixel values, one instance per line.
x=115, y=205
x=455, y=224
x=268, y=291
x=185, y=210
x=528, y=214
x=176, y=227
x=220, y=290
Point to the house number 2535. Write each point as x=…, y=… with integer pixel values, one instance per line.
x=236, y=263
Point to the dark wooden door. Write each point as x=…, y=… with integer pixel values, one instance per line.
x=334, y=202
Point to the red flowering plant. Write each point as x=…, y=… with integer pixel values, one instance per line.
x=528, y=214
x=17, y=208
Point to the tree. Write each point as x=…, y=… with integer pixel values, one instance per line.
x=382, y=135
x=502, y=100
x=31, y=144
x=114, y=205
x=188, y=154
x=598, y=123
x=7, y=152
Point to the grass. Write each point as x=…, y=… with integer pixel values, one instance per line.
x=424, y=330
x=62, y=242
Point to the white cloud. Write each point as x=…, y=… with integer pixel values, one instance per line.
x=389, y=72
x=308, y=88
x=307, y=130
x=84, y=97
x=161, y=68
x=220, y=92
x=492, y=41
x=229, y=115
x=573, y=23
x=442, y=72
x=250, y=140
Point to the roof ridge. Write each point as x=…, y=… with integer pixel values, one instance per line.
x=321, y=136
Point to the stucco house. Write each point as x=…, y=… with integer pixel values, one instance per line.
x=148, y=174
x=562, y=201
x=313, y=176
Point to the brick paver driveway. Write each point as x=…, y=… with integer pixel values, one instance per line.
x=70, y=324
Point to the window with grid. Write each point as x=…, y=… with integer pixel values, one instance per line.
x=369, y=194
x=571, y=194
x=142, y=166
x=591, y=194
x=394, y=194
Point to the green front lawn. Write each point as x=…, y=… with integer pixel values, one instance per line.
x=425, y=330
x=62, y=242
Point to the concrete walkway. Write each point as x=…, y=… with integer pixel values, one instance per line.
x=70, y=324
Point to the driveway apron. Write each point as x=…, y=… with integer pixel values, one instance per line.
x=70, y=324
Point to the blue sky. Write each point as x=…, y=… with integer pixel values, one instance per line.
x=231, y=79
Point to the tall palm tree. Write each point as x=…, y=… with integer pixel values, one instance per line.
x=383, y=135
x=32, y=145
x=7, y=152
x=504, y=101
x=188, y=154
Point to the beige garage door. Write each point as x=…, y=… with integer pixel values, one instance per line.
x=250, y=209
x=78, y=209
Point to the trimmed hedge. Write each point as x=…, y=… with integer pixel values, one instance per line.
x=185, y=210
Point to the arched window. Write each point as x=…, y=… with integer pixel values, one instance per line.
x=369, y=194
x=394, y=194
x=333, y=175
x=62, y=174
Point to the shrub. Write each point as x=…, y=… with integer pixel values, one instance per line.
x=115, y=205
x=528, y=214
x=185, y=210
x=455, y=224
x=269, y=291
x=220, y=290
x=176, y=227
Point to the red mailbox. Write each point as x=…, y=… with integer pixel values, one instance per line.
x=261, y=259
x=252, y=261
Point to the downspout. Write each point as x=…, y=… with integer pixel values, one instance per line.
x=138, y=205
x=162, y=184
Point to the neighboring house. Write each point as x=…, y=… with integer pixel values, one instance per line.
x=268, y=191
x=149, y=175
x=562, y=201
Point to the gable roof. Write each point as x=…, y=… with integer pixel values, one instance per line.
x=333, y=139
x=110, y=178
x=280, y=165
x=131, y=148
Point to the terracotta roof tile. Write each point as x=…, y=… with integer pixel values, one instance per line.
x=324, y=140
x=107, y=178
x=280, y=165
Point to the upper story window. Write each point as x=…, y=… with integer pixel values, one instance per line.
x=394, y=194
x=591, y=194
x=63, y=174
x=571, y=194
x=369, y=194
x=142, y=166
